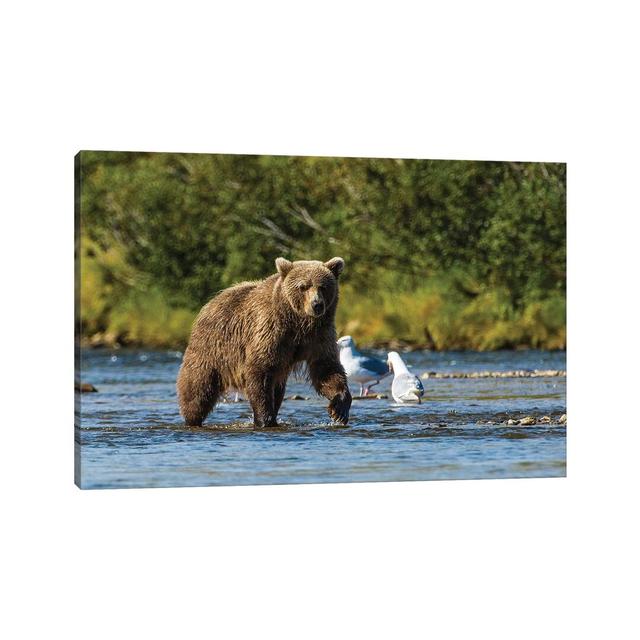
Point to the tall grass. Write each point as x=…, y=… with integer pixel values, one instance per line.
x=119, y=306
x=432, y=317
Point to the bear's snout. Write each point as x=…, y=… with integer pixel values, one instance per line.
x=315, y=305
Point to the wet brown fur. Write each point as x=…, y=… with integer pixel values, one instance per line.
x=250, y=337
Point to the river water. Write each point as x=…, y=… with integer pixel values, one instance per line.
x=130, y=434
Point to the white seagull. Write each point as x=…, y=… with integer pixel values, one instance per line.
x=405, y=386
x=360, y=368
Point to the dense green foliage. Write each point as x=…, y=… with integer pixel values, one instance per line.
x=447, y=254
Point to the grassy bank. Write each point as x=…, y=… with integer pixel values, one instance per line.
x=120, y=306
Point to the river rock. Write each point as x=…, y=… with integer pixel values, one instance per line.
x=106, y=339
x=296, y=396
x=527, y=420
x=96, y=340
x=85, y=387
x=563, y=419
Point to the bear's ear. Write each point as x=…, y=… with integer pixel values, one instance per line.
x=283, y=266
x=335, y=265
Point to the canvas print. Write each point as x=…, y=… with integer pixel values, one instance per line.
x=247, y=320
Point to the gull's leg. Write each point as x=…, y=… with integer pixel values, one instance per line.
x=361, y=390
x=373, y=384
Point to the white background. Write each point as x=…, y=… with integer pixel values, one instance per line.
x=540, y=80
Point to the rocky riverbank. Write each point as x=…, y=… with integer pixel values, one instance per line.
x=523, y=373
x=528, y=421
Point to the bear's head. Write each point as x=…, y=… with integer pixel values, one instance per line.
x=310, y=286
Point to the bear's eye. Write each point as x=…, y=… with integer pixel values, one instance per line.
x=303, y=286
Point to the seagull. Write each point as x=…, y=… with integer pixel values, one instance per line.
x=360, y=368
x=405, y=386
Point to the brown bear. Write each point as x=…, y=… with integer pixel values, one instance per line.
x=249, y=337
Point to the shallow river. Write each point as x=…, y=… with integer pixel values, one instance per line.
x=130, y=434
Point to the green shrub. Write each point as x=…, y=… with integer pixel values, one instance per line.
x=445, y=254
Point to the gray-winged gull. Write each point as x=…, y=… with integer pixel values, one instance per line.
x=359, y=367
x=405, y=387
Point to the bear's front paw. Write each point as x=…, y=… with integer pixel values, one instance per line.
x=339, y=407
